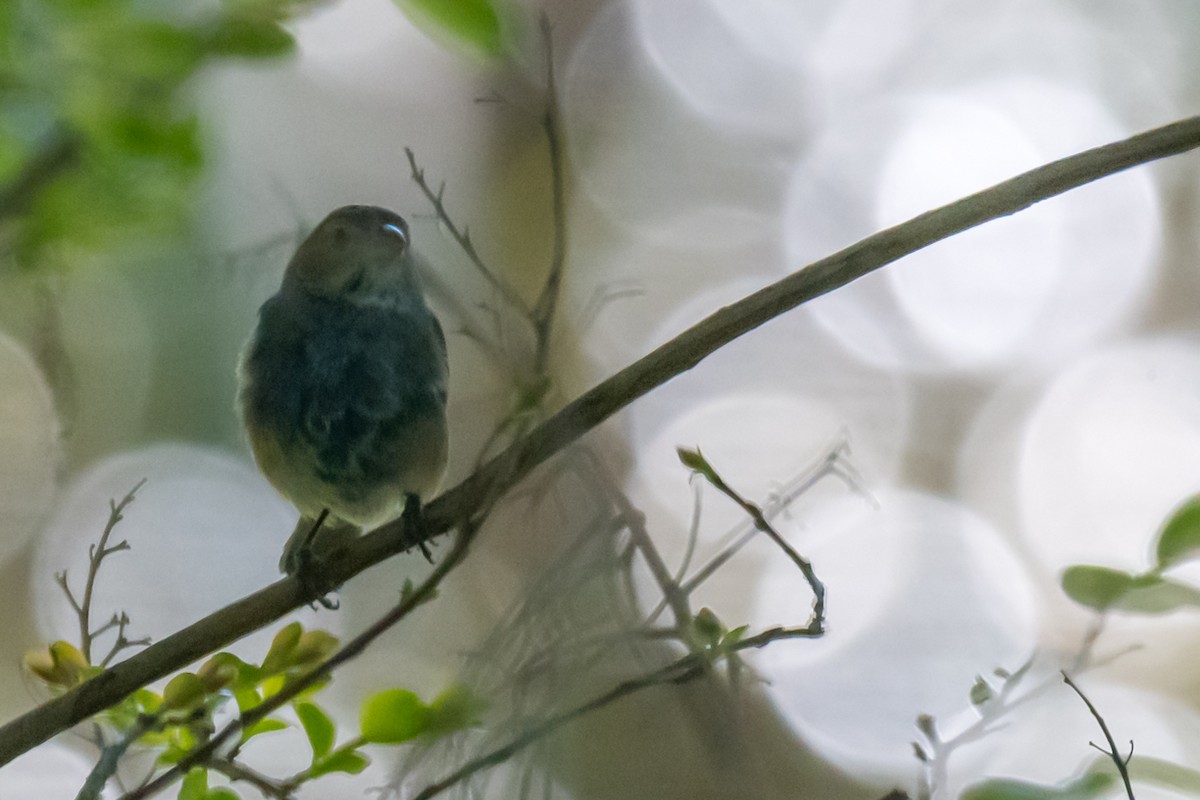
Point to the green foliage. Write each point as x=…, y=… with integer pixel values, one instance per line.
x=1105, y=589
x=455, y=709
x=318, y=727
x=393, y=716
x=1179, y=540
x=1092, y=784
x=179, y=720
x=473, y=23
x=696, y=462
x=99, y=142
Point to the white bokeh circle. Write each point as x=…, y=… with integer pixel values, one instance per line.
x=644, y=157
x=923, y=595
x=204, y=530
x=1110, y=448
x=29, y=440
x=1030, y=288
x=50, y=770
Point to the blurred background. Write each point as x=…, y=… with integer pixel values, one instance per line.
x=1001, y=406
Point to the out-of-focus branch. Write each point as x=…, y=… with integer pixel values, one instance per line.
x=585, y=413
x=58, y=153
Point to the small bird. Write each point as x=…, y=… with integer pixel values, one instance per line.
x=342, y=386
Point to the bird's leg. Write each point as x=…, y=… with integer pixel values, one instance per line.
x=414, y=524
x=300, y=560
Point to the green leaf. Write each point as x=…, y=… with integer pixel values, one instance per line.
x=318, y=727
x=696, y=462
x=1166, y=774
x=183, y=691
x=247, y=37
x=981, y=691
x=194, y=785
x=313, y=648
x=223, y=793
x=475, y=23
x=1090, y=785
x=1107, y=589
x=707, y=627
x=393, y=716
x=1095, y=587
x=351, y=762
x=455, y=709
x=267, y=725
x=1179, y=540
x=279, y=655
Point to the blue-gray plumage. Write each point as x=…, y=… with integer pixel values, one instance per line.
x=343, y=383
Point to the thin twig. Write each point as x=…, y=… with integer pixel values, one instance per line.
x=680, y=354
x=680, y=671
x=1111, y=752
x=547, y=304
x=110, y=757
x=686, y=668
x=463, y=239
x=96, y=555
x=237, y=771
x=760, y=521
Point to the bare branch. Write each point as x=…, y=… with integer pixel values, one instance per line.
x=1111, y=752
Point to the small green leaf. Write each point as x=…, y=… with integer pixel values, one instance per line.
x=194, y=785
x=351, y=762
x=1107, y=589
x=1179, y=540
x=313, y=648
x=318, y=727
x=249, y=37
x=393, y=716
x=475, y=23
x=455, y=709
x=1153, y=594
x=1095, y=587
x=693, y=460
x=981, y=691
x=222, y=793
x=1088, y=786
x=708, y=627
x=267, y=725
x=279, y=655
x=183, y=692
x=734, y=636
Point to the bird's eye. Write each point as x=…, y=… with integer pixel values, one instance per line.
x=397, y=231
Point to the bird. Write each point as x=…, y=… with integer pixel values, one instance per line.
x=342, y=384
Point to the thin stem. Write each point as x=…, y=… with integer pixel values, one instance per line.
x=547, y=304
x=110, y=757
x=96, y=555
x=1111, y=752
x=760, y=521
x=678, y=355
x=237, y=771
x=463, y=239
x=682, y=670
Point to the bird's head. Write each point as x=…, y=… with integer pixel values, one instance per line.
x=356, y=252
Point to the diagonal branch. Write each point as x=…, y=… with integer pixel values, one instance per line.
x=589, y=410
